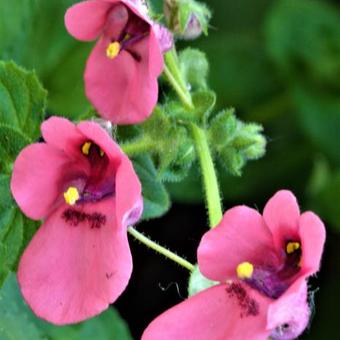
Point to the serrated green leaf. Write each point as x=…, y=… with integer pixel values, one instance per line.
x=204, y=102
x=18, y=322
x=13, y=141
x=155, y=196
x=15, y=230
x=222, y=128
x=22, y=100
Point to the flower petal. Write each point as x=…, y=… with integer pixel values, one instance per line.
x=35, y=182
x=123, y=90
x=63, y=134
x=164, y=37
x=94, y=132
x=72, y=271
x=129, y=202
x=312, y=235
x=281, y=215
x=241, y=236
x=289, y=315
x=86, y=20
x=211, y=314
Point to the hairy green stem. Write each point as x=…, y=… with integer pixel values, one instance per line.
x=172, y=63
x=159, y=249
x=137, y=146
x=210, y=182
x=174, y=77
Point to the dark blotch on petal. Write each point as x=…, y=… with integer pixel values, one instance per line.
x=75, y=217
x=249, y=306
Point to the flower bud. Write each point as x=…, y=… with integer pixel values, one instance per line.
x=187, y=18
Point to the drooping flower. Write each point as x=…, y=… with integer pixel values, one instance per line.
x=86, y=192
x=122, y=70
x=260, y=264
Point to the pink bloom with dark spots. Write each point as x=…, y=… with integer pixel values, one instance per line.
x=122, y=70
x=260, y=264
x=86, y=192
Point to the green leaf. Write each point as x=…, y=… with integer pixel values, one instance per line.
x=22, y=104
x=194, y=67
x=13, y=142
x=22, y=100
x=222, y=128
x=198, y=282
x=15, y=230
x=156, y=198
x=18, y=322
x=171, y=145
x=235, y=142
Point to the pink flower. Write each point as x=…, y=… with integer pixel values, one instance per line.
x=261, y=264
x=122, y=70
x=86, y=191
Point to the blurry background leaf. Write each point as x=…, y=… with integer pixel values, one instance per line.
x=36, y=38
x=319, y=118
x=303, y=38
x=18, y=322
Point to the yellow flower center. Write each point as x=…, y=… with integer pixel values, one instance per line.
x=113, y=50
x=71, y=196
x=292, y=246
x=85, y=149
x=245, y=270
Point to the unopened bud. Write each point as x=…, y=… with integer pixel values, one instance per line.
x=187, y=18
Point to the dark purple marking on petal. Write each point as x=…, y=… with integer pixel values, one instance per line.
x=75, y=217
x=108, y=275
x=249, y=306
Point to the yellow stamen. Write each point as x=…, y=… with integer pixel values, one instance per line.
x=101, y=153
x=71, y=196
x=292, y=246
x=113, y=50
x=85, y=149
x=245, y=270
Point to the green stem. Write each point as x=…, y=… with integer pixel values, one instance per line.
x=137, y=146
x=159, y=249
x=209, y=175
x=174, y=77
x=172, y=63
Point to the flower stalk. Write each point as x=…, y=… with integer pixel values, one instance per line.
x=212, y=192
x=159, y=249
x=174, y=77
x=138, y=146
